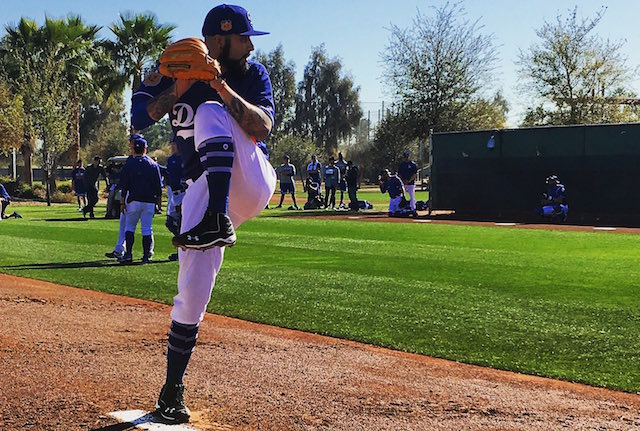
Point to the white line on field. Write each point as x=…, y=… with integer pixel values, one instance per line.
x=422, y=221
x=505, y=224
x=146, y=421
x=604, y=228
x=355, y=217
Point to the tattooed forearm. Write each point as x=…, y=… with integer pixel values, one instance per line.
x=252, y=119
x=161, y=104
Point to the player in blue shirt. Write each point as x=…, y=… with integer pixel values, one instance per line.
x=342, y=184
x=407, y=171
x=217, y=125
x=393, y=185
x=331, y=176
x=77, y=185
x=176, y=186
x=243, y=91
x=314, y=171
x=553, y=203
x=5, y=200
x=141, y=183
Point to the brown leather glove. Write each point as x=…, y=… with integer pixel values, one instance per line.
x=189, y=59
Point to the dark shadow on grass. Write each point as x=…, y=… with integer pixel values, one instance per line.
x=65, y=219
x=71, y=265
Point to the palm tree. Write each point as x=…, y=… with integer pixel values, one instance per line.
x=140, y=40
x=74, y=44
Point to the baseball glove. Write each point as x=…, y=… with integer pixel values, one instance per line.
x=189, y=59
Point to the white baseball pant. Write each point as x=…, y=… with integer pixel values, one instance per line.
x=394, y=204
x=410, y=189
x=253, y=182
x=143, y=211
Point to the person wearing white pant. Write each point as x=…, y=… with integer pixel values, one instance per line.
x=217, y=126
x=141, y=183
x=407, y=172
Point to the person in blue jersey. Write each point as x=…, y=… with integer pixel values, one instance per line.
x=407, y=171
x=217, y=125
x=5, y=201
x=91, y=180
x=141, y=183
x=118, y=250
x=553, y=204
x=77, y=185
x=314, y=171
x=176, y=186
x=331, y=177
x=287, y=173
x=393, y=185
x=352, y=178
x=342, y=184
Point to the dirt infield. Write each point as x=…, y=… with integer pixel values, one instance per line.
x=71, y=356
x=381, y=217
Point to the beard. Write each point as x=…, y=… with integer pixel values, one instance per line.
x=234, y=68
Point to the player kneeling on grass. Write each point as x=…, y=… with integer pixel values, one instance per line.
x=393, y=185
x=553, y=203
x=217, y=116
x=5, y=200
x=141, y=184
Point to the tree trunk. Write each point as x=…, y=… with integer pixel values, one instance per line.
x=52, y=176
x=27, y=155
x=74, y=152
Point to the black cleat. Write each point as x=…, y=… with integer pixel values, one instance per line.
x=171, y=406
x=114, y=255
x=173, y=257
x=215, y=230
x=126, y=259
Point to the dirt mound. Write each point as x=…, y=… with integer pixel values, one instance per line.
x=71, y=356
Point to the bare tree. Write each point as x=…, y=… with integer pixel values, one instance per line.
x=437, y=67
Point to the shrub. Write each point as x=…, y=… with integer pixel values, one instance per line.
x=64, y=188
x=62, y=198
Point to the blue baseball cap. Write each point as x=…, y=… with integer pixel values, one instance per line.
x=139, y=145
x=229, y=19
x=135, y=136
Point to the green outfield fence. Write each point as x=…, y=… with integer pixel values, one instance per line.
x=598, y=164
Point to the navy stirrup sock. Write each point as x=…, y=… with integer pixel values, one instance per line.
x=216, y=155
x=182, y=342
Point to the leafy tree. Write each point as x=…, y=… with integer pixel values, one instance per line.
x=140, y=40
x=438, y=67
x=392, y=139
x=18, y=65
x=11, y=120
x=283, y=81
x=158, y=134
x=576, y=76
x=299, y=150
x=105, y=128
x=327, y=103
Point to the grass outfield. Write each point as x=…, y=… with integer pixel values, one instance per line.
x=554, y=303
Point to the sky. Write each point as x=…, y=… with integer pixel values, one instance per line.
x=357, y=31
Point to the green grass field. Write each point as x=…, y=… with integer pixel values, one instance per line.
x=554, y=303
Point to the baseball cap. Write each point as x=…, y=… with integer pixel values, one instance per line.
x=229, y=19
x=135, y=136
x=139, y=145
x=286, y=156
x=405, y=154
